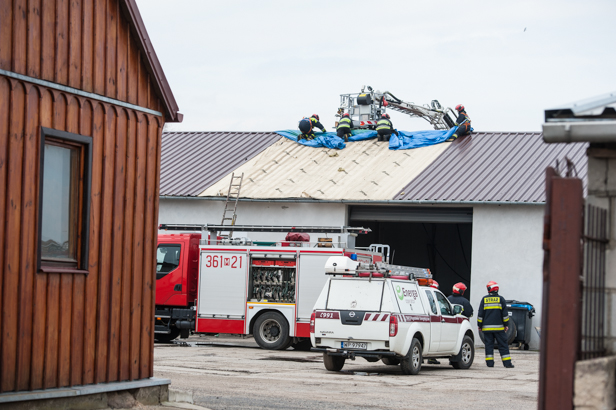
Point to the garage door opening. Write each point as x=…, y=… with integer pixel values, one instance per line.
x=442, y=243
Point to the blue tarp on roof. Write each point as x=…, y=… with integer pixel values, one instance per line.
x=406, y=139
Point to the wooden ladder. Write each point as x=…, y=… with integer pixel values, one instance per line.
x=233, y=195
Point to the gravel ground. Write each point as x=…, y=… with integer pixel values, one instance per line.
x=233, y=373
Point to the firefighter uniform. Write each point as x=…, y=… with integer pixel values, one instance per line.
x=306, y=126
x=492, y=318
x=464, y=125
x=343, y=130
x=385, y=128
x=461, y=300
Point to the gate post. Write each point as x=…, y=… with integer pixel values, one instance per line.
x=560, y=318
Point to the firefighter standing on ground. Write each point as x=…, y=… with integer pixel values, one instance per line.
x=463, y=122
x=343, y=130
x=307, y=125
x=457, y=298
x=385, y=128
x=492, y=320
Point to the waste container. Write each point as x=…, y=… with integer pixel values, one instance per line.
x=522, y=314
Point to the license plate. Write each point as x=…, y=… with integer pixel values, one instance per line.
x=355, y=345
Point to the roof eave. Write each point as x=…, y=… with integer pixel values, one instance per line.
x=172, y=113
x=581, y=131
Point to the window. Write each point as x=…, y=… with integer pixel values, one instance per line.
x=444, y=304
x=64, y=201
x=432, y=303
x=167, y=259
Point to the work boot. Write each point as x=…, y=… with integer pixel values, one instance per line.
x=490, y=363
x=433, y=361
x=346, y=137
x=508, y=364
x=452, y=138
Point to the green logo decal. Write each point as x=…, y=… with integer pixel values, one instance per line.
x=399, y=292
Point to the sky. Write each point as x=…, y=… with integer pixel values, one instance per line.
x=245, y=65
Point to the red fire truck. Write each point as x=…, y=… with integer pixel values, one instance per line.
x=209, y=284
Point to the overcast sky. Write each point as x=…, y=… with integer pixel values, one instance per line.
x=263, y=65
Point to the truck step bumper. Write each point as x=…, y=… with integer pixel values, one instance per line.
x=350, y=353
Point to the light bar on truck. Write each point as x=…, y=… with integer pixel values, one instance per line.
x=265, y=228
x=343, y=265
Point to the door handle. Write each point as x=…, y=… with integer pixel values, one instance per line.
x=442, y=320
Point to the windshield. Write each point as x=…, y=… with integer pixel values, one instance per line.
x=351, y=294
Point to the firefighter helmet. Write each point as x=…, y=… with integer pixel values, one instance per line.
x=315, y=116
x=492, y=286
x=434, y=284
x=346, y=115
x=385, y=116
x=459, y=107
x=459, y=288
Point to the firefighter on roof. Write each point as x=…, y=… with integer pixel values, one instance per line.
x=463, y=122
x=385, y=128
x=493, y=320
x=307, y=125
x=457, y=298
x=343, y=130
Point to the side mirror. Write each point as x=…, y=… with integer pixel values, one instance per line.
x=457, y=309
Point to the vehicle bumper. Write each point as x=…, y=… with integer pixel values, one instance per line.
x=351, y=354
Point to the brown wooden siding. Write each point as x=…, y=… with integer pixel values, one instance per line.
x=86, y=45
x=70, y=329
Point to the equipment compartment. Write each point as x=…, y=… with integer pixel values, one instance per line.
x=272, y=283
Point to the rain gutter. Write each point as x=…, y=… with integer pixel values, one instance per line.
x=580, y=131
x=358, y=201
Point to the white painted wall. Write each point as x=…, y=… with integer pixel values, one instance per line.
x=196, y=211
x=507, y=248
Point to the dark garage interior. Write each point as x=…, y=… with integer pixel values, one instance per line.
x=438, y=239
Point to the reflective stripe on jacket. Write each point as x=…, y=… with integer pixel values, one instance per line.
x=492, y=315
x=384, y=124
x=345, y=122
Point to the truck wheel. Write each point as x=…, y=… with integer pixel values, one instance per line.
x=167, y=337
x=271, y=331
x=467, y=354
x=391, y=361
x=333, y=363
x=411, y=364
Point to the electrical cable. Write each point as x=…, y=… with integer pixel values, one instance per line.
x=439, y=254
x=462, y=246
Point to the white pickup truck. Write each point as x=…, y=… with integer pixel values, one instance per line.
x=389, y=313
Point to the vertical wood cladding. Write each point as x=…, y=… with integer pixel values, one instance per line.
x=61, y=329
x=84, y=44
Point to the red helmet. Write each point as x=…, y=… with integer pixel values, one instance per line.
x=459, y=107
x=346, y=115
x=385, y=116
x=459, y=288
x=316, y=116
x=492, y=286
x=434, y=284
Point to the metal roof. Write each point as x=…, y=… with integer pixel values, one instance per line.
x=364, y=170
x=493, y=167
x=192, y=161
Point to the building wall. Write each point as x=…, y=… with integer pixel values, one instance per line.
x=197, y=211
x=86, y=45
x=507, y=248
x=64, y=329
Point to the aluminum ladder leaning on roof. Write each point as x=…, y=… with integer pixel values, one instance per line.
x=233, y=195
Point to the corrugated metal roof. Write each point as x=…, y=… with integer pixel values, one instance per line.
x=364, y=170
x=192, y=161
x=504, y=167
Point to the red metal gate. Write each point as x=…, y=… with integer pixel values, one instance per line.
x=562, y=270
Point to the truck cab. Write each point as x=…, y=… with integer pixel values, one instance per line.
x=177, y=272
x=389, y=313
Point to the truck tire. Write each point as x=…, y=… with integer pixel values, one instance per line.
x=467, y=354
x=411, y=364
x=167, y=337
x=271, y=331
x=333, y=363
x=391, y=361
